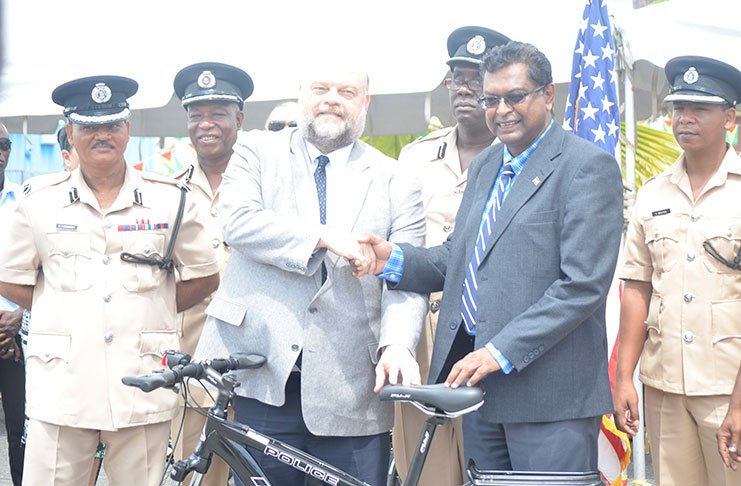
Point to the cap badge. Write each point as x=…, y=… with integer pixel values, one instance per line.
x=101, y=93
x=476, y=46
x=691, y=76
x=206, y=80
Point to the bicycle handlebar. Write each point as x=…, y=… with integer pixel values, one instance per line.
x=182, y=367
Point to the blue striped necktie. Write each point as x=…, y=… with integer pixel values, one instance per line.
x=470, y=285
x=320, y=177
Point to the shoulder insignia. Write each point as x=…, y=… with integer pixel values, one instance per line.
x=186, y=171
x=37, y=183
x=153, y=177
x=431, y=142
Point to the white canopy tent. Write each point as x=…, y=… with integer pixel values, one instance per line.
x=402, y=44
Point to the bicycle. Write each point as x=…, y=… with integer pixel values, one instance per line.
x=233, y=441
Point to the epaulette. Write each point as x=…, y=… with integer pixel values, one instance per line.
x=154, y=177
x=186, y=171
x=430, y=137
x=37, y=183
x=443, y=132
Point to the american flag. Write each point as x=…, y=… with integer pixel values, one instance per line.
x=592, y=110
x=592, y=113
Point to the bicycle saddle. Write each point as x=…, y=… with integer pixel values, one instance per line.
x=450, y=400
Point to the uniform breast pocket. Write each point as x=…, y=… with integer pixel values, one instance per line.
x=140, y=277
x=724, y=239
x=68, y=267
x=662, y=240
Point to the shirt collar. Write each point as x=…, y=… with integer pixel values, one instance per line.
x=337, y=159
x=10, y=192
x=518, y=162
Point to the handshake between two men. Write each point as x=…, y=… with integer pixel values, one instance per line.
x=368, y=255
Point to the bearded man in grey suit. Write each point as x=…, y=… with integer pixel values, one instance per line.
x=293, y=204
x=525, y=276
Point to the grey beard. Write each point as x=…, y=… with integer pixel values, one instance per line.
x=328, y=138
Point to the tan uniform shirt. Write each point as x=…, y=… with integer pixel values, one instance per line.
x=191, y=321
x=693, y=345
x=435, y=160
x=96, y=318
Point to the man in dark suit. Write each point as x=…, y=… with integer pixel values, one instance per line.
x=525, y=275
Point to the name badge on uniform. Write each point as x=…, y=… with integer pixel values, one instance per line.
x=66, y=227
x=661, y=212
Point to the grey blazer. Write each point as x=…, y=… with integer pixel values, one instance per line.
x=542, y=283
x=271, y=299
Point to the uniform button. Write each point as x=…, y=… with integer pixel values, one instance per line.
x=312, y=310
x=108, y=337
x=106, y=260
x=294, y=347
x=688, y=297
x=447, y=227
x=453, y=326
x=107, y=298
x=214, y=212
x=694, y=218
x=541, y=348
x=65, y=253
x=729, y=234
x=434, y=306
x=525, y=359
x=458, y=191
x=689, y=337
x=107, y=225
x=690, y=256
x=147, y=251
x=216, y=243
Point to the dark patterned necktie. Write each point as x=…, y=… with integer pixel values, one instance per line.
x=320, y=177
x=470, y=285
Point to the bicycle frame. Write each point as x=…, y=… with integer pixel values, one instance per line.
x=232, y=442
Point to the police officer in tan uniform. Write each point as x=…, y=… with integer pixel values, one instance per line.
x=441, y=160
x=213, y=96
x=681, y=307
x=94, y=253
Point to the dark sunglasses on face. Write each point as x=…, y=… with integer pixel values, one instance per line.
x=510, y=99
x=278, y=125
x=5, y=144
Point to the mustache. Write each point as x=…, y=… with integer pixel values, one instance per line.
x=335, y=110
x=103, y=144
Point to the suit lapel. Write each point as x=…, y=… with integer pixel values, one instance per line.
x=482, y=185
x=353, y=197
x=302, y=178
x=353, y=194
x=537, y=169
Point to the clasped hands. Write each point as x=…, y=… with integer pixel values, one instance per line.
x=10, y=324
x=368, y=255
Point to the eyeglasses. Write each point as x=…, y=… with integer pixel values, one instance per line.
x=278, y=125
x=510, y=99
x=5, y=144
x=454, y=84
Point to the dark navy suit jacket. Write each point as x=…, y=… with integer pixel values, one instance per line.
x=542, y=284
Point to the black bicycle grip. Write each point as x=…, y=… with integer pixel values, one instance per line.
x=147, y=383
x=247, y=361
